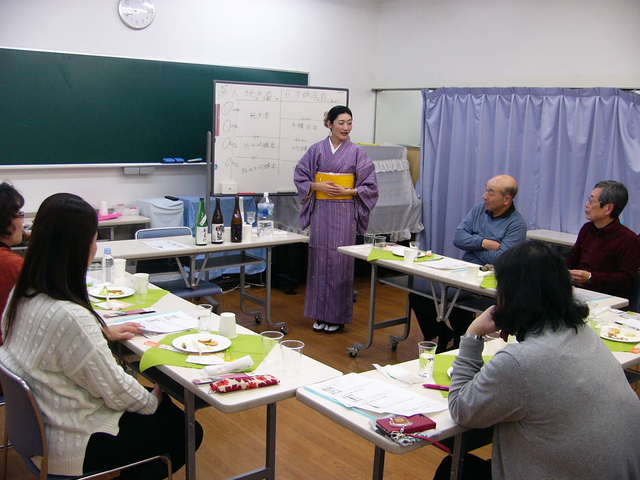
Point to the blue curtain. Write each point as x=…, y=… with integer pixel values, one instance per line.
x=557, y=143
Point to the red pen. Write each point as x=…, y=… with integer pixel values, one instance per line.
x=433, y=386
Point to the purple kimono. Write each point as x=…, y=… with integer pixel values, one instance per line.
x=334, y=223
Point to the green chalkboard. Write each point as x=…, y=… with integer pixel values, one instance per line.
x=58, y=108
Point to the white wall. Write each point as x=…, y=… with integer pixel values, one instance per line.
x=506, y=43
x=357, y=44
x=332, y=40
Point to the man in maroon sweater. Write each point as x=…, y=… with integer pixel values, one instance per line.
x=606, y=255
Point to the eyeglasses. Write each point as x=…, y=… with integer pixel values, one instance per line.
x=19, y=215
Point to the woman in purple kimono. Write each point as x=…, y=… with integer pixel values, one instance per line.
x=336, y=182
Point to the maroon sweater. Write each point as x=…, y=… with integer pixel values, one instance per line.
x=611, y=254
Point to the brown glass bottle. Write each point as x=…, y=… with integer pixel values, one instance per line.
x=236, y=223
x=217, y=224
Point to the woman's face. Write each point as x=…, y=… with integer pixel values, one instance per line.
x=340, y=127
x=15, y=229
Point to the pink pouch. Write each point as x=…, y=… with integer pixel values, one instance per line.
x=243, y=382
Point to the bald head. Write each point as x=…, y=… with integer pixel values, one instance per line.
x=506, y=184
x=499, y=194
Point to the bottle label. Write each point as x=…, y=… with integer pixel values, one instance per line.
x=217, y=233
x=236, y=233
x=201, y=235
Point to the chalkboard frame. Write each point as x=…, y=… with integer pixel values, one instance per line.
x=311, y=114
x=74, y=109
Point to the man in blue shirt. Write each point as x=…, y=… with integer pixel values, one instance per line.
x=489, y=230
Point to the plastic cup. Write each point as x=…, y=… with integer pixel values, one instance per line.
x=380, y=241
x=369, y=239
x=227, y=326
x=291, y=356
x=473, y=272
x=140, y=283
x=410, y=255
x=426, y=358
x=415, y=245
x=204, y=318
x=270, y=341
x=120, y=265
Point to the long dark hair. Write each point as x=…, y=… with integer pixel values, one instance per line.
x=58, y=254
x=535, y=290
x=10, y=204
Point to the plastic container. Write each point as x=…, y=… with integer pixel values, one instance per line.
x=108, y=267
x=265, y=217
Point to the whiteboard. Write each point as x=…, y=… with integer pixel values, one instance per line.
x=262, y=130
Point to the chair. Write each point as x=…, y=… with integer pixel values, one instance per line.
x=178, y=286
x=25, y=427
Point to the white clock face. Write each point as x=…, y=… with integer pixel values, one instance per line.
x=136, y=14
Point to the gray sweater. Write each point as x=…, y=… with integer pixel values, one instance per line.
x=561, y=405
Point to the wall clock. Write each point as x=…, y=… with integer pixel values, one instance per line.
x=136, y=14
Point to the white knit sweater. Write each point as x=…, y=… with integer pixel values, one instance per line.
x=57, y=347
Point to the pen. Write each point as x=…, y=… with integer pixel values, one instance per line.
x=433, y=386
x=130, y=312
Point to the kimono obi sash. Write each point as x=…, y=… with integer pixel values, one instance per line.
x=347, y=180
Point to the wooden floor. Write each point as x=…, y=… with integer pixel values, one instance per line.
x=309, y=446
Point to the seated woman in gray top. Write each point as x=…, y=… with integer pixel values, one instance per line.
x=559, y=400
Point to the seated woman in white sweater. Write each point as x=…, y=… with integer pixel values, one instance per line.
x=96, y=416
x=559, y=400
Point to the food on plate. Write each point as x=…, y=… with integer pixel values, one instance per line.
x=208, y=342
x=108, y=291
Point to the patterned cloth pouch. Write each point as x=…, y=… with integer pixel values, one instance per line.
x=243, y=382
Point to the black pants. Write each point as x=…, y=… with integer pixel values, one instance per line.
x=140, y=437
x=427, y=316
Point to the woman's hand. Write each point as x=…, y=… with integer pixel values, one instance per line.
x=123, y=331
x=332, y=189
x=484, y=324
x=157, y=392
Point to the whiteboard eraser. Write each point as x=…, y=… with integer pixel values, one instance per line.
x=228, y=187
x=147, y=170
x=131, y=170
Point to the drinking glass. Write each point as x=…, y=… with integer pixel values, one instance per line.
x=414, y=245
x=291, y=351
x=204, y=319
x=426, y=357
x=270, y=340
x=251, y=217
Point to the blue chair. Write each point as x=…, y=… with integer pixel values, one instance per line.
x=177, y=285
x=25, y=428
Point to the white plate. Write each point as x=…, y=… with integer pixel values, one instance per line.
x=185, y=343
x=618, y=333
x=126, y=292
x=400, y=252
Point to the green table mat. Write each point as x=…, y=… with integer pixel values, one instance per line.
x=489, y=282
x=380, y=254
x=240, y=346
x=153, y=295
x=440, y=367
x=619, y=346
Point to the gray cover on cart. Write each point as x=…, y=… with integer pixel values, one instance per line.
x=162, y=211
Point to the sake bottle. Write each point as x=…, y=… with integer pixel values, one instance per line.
x=217, y=224
x=236, y=223
x=201, y=225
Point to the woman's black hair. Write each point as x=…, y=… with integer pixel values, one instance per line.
x=335, y=112
x=535, y=290
x=56, y=260
x=11, y=202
